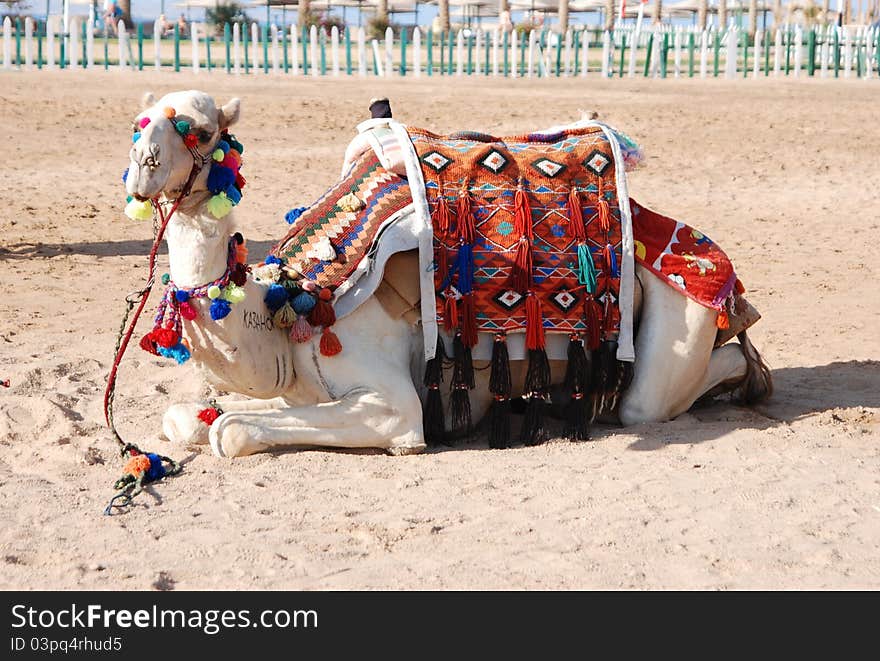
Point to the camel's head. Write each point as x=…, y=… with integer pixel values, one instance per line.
x=170, y=135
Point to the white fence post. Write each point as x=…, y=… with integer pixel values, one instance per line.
x=334, y=50
x=313, y=51
x=417, y=52
x=7, y=43
x=704, y=53
x=798, y=50
x=459, y=53
x=74, y=42
x=362, y=52
x=28, y=43
x=236, y=41
x=50, y=42
x=158, y=26
x=377, y=59
x=255, y=46
x=122, y=48
x=730, y=60
x=514, y=55
x=823, y=56
x=567, y=69
x=275, y=46
x=585, y=53
x=294, y=49
x=477, y=45
x=847, y=53
x=679, y=40
x=759, y=53
x=530, y=70
x=606, y=53
x=194, y=46
x=495, y=36
x=389, y=51
x=90, y=39
x=777, y=52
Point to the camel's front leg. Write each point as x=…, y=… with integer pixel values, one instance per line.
x=362, y=418
x=181, y=424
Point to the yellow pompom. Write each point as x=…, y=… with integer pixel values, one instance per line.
x=214, y=292
x=219, y=205
x=218, y=155
x=234, y=293
x=137, y=210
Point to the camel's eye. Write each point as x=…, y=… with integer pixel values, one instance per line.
x=205, y=136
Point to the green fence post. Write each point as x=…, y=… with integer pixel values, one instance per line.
x=648, y=53
x=265, y=48
x=836, y=54
x=63, y=60
x=767, y=54
x=576, y=51
x=403, y=52
x=39, y=47
x=746, y=55
x=450, y=47
x=305, y=46
x=622, y=55
x=245, y=38
x=811, y=52
x=505, y=59
x=322, y=42
x=691, y=55
x=717, y=49
x=487, y=46
x=522, y=53
x=84, y=42
x=176, y=47
x=664, y=54
x=470, y=60
x=558, y=55
x=140, y=37
x=347, y=52
x=787, y=52
x=877, y=49
x=429, y=45
x=227, y=34
x=859, y=60
x=18, y=42
x=106, y=51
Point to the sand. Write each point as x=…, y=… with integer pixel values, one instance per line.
x=782, y=496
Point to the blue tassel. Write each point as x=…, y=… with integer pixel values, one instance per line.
x=465, y=266
x=615, y=272
x=178, y=352
x=276, y=296
x=233, y=194
x=293, y=215
x=157, y=470
x=586, y=273
x=219, y=309
x=303, y=303
x=220, y=178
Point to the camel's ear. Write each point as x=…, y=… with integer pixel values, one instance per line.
x=229, y=113
x=588, y=114
x=148, y=100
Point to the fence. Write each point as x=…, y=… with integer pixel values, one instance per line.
x=655, y=51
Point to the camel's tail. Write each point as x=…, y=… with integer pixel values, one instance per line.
x=758, y=383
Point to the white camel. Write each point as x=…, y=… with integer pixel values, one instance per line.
x=369, y=396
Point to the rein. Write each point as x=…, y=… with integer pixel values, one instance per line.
x=150, y=466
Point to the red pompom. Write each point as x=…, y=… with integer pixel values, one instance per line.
x=187, y=311
x=165, y=337
x=148, y=345
x=325, y=294
x=190, y=140
x=208, y=415
x=330, y=345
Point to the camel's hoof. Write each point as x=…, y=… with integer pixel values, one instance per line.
x=230, y=438
x=403, y=450
x=181, y=426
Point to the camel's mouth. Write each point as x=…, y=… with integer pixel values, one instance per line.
x=140, y=198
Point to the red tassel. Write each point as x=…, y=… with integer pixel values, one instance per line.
x=450, y=312
x=607, y=313
x=440, y=219
x=465, y=218
x=330, y=344
x=239, y=275
x=593, y=315
x=522, y=214
x=187, y=311
x=322, y=314
x=240, y=182
x=534, y=323
x=148, y=345
x=208, y=416
x=165, y=337
x=723, y=320
x=522, y=268
x=468, y=321
x=442, y=263
x=576, y=217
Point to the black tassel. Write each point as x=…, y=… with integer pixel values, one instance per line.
x=462, y=382
x=578, y=412
x=538, y=373
x=500, y=386
x=433, y=420
x=532, y=431
x=499, y=423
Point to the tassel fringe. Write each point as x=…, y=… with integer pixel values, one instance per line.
x=433, y=418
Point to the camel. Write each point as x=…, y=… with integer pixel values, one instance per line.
x=371, y=395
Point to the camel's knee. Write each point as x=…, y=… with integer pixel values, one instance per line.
x=181, y=424
x=235, y=435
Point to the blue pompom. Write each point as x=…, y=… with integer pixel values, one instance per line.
x=178, y=352
x=292, y=215
x=220, y=178
x=124, y=175
x=276, y=296
x=219, y=308
x=181, y=296
x=272, y=259
x=157, y=470
x=233, y=194
x=224, y=146
x=303, y=303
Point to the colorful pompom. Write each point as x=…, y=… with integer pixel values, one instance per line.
x=232, y=161
x=223, y=146
x=181, y=296
x=218, y=155
x=330, y=344
x=239, y=274
x=220, y=178
x=137, y=210
x=310, y=285
x=234, y=294
x=235, y=144
x=275, y=297
x=148, y=345
x=267, y=273
x=208, y=415
x=165, y=278
x=169, y=112
x=182, y=127
x=187, y=311
x=178, y=352
x=165, y=337
x=145, y=121
x=190, y=140
x=233, y=194
x=303, y=303
x=241, y=253
x=325, y=294
x=219, y=206
x=285, y=317
x=214, y=292
x=272, y=259
x=301, y=331
x=322, y=314
x=219, y=309
x=293, y=215
x=240, y=181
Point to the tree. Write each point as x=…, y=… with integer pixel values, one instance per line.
x=382, y=10
x=563, y=16
x=443, y=8
x=223, y=14
x=609, y=15
x=658, y=9
x=722, y=14
x=702, y=13
x=753, y=18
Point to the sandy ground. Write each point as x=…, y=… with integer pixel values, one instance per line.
x=785, y=496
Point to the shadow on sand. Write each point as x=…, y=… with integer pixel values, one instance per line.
x=31, y=250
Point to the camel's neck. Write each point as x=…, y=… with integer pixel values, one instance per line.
x=198, y=246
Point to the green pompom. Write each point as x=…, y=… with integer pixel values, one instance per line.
x=234, y=293
x=139, y=210
x=214, y=292
x=182, y=127
x=166, y=278
x=218, y=155
x=219, y=205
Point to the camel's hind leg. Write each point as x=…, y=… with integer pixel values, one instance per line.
x=675, y=362
x=181, y=424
